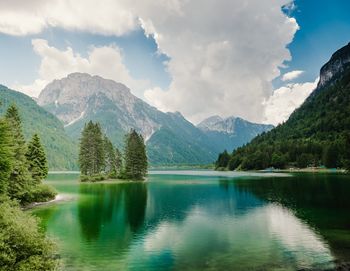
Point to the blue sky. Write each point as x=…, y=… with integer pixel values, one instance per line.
x=324, y=28
x=191, y=57
x=140, y=54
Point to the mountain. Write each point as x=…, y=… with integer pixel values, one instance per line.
x=230, y=133
x=61, y=152
x=170, y=138
x=317, y=133
x=80, y=97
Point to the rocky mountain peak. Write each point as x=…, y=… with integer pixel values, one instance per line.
x=339, y=62
x=219, y=124
x=69, y=97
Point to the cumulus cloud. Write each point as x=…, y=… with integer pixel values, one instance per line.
x=106, y=61
x=223, y=54
x=285, y=99
x=107, y=17
x=291, y=75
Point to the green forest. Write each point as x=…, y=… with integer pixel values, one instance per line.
x=100, y=160
x=61, y=150
x=23, y=166
x=316, y=134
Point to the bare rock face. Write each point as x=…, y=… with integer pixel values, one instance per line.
x=81, y=95
x=232, y=125
x=74, y=92
x=338, y=63
x=232, y=132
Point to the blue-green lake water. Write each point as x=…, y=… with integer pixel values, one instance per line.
x=201, y=220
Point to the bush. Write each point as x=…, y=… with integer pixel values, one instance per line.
x=93, y=178
x=40, y=193
x=43, y=193
x=22, y=245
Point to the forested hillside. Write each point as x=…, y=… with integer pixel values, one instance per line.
x=61, y=151
x=316, y=134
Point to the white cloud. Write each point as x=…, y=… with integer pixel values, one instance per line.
x=273, y=222
x=285, y=100
x=107, y=17
x=223, y=54
x=291, y=75
x=106, y=61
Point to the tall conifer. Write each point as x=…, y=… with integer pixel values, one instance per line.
x=91, y=154
x=110, y=157
x=118, y=161
x=20, y=181
x=37, y=159
x=6, y=155
x=135, y=156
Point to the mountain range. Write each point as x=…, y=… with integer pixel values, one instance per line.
x=72, y=101
x=316, y=134
x=230, y=133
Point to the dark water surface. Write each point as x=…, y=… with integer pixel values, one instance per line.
x=202, y=220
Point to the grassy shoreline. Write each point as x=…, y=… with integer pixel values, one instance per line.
x=310, y=170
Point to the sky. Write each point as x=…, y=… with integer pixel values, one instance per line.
x=255, y=59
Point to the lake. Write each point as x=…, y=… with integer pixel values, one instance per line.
x=201, y=220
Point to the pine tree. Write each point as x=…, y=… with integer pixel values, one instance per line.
x=20, y=181
x=98, y=149
x=118, y=161
x=91, y=154
x=223, y=160
x=37, y=159
x=135, y=156
x=142, y=155
x=110, y=157
x=6, y=155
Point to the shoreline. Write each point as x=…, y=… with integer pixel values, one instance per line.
x=310, y=170
x=111, y=181
x=58, y=198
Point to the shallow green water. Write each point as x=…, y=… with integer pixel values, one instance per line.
x=196, y=220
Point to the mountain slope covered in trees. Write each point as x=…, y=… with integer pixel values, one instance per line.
x=61, y=151
x=317, y=133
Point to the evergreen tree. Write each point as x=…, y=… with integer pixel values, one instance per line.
x=91, y=154
x=37, y=159
x=143, y=156
x=99, y=156
x=6, y=155
x=347, y=152
x=110, y=157
x=20, y=181
x=135, y=156
x=223, y=160
x=118, y=161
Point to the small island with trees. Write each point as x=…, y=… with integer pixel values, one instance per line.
x=99, y=160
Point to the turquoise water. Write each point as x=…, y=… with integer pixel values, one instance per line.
x=201, y=220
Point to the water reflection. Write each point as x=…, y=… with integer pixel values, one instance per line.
x=100, y=205
x=182, y=222
x=321, y=201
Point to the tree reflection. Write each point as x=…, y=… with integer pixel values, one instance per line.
x=112, y=209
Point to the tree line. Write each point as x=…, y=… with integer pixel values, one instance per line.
x=23, y=166
x=99, y=159
x=287, y=154
x=316, y=134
